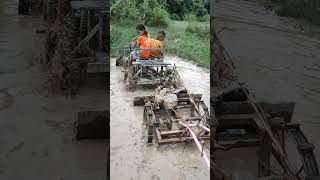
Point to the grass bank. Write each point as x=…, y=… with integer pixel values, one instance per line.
x=309, y=10
x=189, y=40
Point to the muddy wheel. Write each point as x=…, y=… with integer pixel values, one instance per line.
x=147, y=123
x=298, y=151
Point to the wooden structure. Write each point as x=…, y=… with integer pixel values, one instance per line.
x=242, y=122
x=163, y=123
x=94, y=27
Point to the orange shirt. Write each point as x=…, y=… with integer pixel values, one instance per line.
x=144, y=42
x=156, y=44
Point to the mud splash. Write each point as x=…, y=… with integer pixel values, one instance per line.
x=278, y=61
x=36, y=130
x=129, y=152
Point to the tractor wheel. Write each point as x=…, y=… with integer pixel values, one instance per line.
x=298, y=151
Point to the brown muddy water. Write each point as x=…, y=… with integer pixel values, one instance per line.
x=278, y=61
x=36, y=130
x=131, y=157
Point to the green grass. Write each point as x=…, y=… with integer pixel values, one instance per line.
x=309, y=10
x=189, y=40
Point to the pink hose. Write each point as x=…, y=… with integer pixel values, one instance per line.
x=199, y=146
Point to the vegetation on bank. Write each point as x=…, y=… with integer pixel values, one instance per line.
x=186, y=24
x=309, y=10
x=188, y=40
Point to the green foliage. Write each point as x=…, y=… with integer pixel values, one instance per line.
x=199, y=8
x=142, y=9
x=124, y=10
x=205, y=18
x=200, y=30
x=301, y=9
x=175, y=17
x=158, y=17
x=309, y=9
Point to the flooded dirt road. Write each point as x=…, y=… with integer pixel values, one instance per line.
x=277, y=60
x=130, y=157
x=36, y=131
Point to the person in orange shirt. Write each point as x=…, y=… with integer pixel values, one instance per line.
x=143, y=41
x=158, y=43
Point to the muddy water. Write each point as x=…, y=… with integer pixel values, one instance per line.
x=277, y=60
x=131, y=158
x=36, y=130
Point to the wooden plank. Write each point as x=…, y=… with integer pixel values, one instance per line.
x=264, y=157
x=174, y=140
x=284, y=110
x=98, y=67
x=240, y=143
x=83, y=59
x=172, y=132
x=85, y=40
x=101, y=23
x=151, y=63
x=158, y=134
x=179, y=140
x=236, y=116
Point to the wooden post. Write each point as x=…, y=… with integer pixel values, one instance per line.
x=103, y=31
x=83, y=18
x=264, y=156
